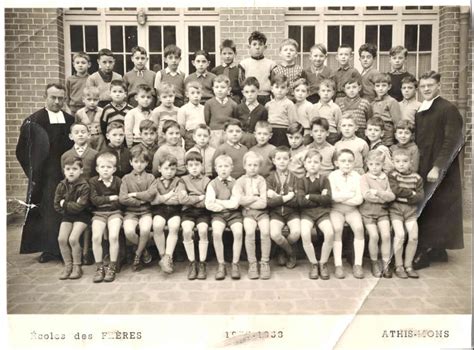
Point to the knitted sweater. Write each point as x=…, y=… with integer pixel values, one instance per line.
x=100, y=194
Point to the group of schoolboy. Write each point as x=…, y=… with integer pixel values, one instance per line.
x=246, y=146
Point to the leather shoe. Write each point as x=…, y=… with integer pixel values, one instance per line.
x=46, y=257
x=438, y=255
x=421, y=261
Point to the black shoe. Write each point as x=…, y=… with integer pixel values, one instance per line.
x=438, y=255
x=421, y=261
x=46, y=257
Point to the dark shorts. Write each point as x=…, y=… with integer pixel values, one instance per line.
x=166, y=211
x=255, y=214
x=105, y=216
x=402, y=211
x=372, y=213
x=287, y=216
x=81, y=217
x=196, y=215
x=279, y=137
x=316, y=214
x=228, y=217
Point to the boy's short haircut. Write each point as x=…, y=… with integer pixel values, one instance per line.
x=370, y=48
x=193, y=84
x=201, y=53
x=375, y=155
x=171, y=159
x=120, y=83
x=77, y=123
x=382, y=78
x=300, y=82
x=148, y=125
x=140, y=49
x=251, y=81
x=263, y=124
x=221, y=78
x=144, y=87
x=353, y=80
x=288, y=42
x=258, y=36
x=342, y=151
x=231, y=122
x=405, y=124
x=311, y=153
x=106, y=157
x=140, y=153
x=410, y=79
x=168, y=124
x=376, y=121
x=172, y=50
x=81, y=54
x=104, y=52
x=115, y=125
x=223, y=158
x=320, y=47
x=295, y=128
x=328, y=83
x=322, y=122
x=91, y=91
x=229, y=44
x=71, y=160
x=398, y=50
x=252, y=155
x=166, y=88
x=348, y=116
x=193, y=157
x=202, y=127
x=431, y=75
x=280, y=149
x=401, y=152
x=344, y=46
x=280, y=79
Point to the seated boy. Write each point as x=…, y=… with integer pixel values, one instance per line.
x=263, y=133
x=374, y=133
x=295, y=135
x=319, y=133
x=404, y=134
x=132, y=120
x=148, y=134
x=118, y=108
x=115, y=136
x=192, y=113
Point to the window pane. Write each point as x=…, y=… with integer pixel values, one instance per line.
x=411, y=7
x=424, y=64
x=116, y=38
x=191, y=68
x=411, y=42
x=348, y=36
x=208, y=8
x=334, y=8
x=305, y=61
x=209, y=38
x=411, y=64
x=384, y=62
x=294, y=8
x=94, y=65
x=309, y=8
x=371, y=35
x=130, y=8
x=372, y=8
x=212, y=63
x=154, y=38
x=348, y=8
x=333, y=38
x=129, y=63
x=77, y=41
x=425, y=37
x=385, y=38
x=92, y=43
x=118, y=67
x=169, y=35
x=294, y=32
x=426, y=7
x=309, y=38
x=194, y=38
x=386, y=7
x=156, y=63
x=131, y=38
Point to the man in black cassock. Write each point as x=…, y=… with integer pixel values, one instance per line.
x=439, y=136
x=44, y=137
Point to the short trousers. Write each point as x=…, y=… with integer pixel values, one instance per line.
x=344, y=208
x=105, y=216
x=315, y=214
x=228, y=217
x=402, y=211
x=81, y=217
x=287, y=216
x=255, y=214
x=279, y=137
x=166, y=211
x=136, y=216
x=372, y=213
x=196, y=215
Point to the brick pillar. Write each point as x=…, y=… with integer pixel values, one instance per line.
x=34, y=56
x=237, y=24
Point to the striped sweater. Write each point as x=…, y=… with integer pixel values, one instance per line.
x=408, y=188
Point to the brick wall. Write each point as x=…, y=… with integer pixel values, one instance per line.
x=34, y=56
x=237, y=23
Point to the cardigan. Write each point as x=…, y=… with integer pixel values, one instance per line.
x=100, y=194
x=88, y=160
x=216, y=114
x=250, y=118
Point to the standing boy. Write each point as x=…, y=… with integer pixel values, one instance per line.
x=90, y=115
x=166, y=110
x=76, y=83
x=142, y=112
x=118, y=108
x=171, y=74
x=367, y=57
x=201, y=61
x=230, y=69
x=139, y=75
x=398, y=56
x=192, y=113
x=409, y=105
x=345, y=71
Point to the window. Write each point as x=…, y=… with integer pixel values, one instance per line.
x=381, y=36
x=418, y=41
x=305, y=36
x=122, y=39
x=122, y=9
x=418, y=7
x=301, y=8
x=160, y=9
x=158, y=38
x=201, y=8
x=336, y=36
x=379, y=8
x=83, y=8
x=84, y=38
x=341, y=8
x=201, y=38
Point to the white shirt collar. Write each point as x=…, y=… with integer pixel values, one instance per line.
x=106, y=183
x=382, y=176
x=168, y=71
x=56, y=117
x=222, y=101
x=425, y=105
x=252, y=106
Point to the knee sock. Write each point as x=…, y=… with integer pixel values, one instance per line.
x=236, y=250
x=309, y=250
x=265, y=246
x=171, y=244
x=385, y=249
x=410, y=251
x=326, y=251
x=398, y=251
x=189, y=247
x=66, y=254
x=160, y=243
x=219, y=248
x=250, y=248
x=358, y=251
x=373, y=249
x=337, y=252
x=203, y=250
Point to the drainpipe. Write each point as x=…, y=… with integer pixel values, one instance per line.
x=463, y=71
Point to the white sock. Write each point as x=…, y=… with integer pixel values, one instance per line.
x=189, y=247
x=358, y=251
x=337, y=252
x=309, y=250
x=203, y=250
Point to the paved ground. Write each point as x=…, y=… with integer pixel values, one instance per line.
x=34, y=288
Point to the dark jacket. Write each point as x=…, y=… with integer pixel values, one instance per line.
x=75, y=195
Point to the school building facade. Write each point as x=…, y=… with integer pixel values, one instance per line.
x=39, y=43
